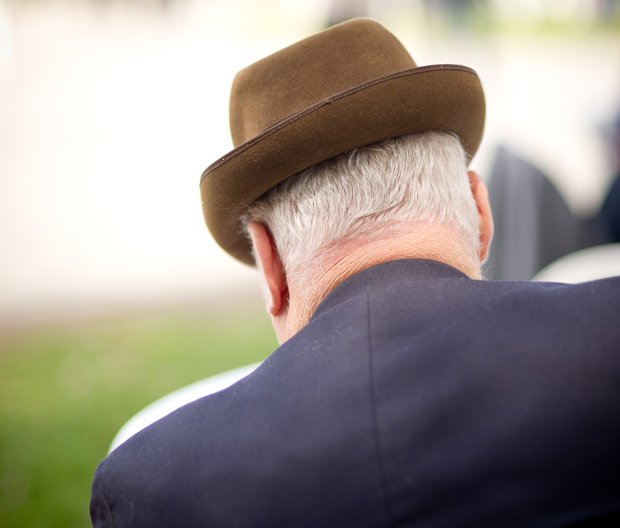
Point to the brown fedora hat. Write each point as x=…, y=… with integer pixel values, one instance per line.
x=345, y=87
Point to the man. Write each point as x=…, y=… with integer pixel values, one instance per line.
x=406, y=391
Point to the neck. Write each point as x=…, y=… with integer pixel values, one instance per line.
x=437, y=242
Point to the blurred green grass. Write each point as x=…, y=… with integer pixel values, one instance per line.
x=65, y=392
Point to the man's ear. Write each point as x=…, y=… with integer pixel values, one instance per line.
x=270, y=266
x=485, y=216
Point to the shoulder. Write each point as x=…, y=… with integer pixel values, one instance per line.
x=304, y=412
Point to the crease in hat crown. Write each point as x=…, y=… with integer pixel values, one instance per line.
x=345, y=87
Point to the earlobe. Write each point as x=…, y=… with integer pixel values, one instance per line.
x=271, y=267
x=485, y=216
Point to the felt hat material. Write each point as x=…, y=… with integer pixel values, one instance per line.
x=343, y=88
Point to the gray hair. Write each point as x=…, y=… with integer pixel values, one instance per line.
x=367, y=193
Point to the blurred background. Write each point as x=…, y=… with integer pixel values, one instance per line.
x=112, y=292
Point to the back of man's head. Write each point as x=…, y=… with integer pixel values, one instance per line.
x=403, y=184
x=346, y=156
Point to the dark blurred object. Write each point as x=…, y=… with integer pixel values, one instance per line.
x=454, y=6
x=610, y=212
x=608, y=10
x=533, y=224
x=342, y=10
x=456, y=13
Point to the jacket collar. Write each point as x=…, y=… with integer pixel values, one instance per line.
x=385, y=274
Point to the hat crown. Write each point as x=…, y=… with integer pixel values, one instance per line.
x=313, y=69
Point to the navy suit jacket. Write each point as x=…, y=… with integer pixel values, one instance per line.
x=414, y=397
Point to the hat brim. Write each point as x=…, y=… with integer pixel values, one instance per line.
x=441, y=97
